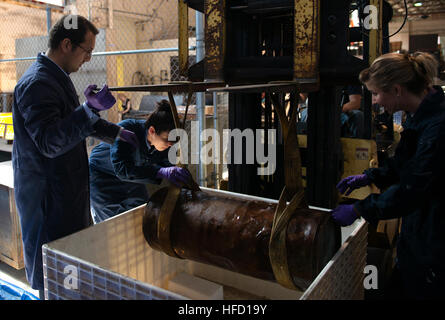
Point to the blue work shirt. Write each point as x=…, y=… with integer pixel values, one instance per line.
x=50, y=159
x=118, y=173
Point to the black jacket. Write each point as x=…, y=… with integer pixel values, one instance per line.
x=118, y=173
x=413, y=188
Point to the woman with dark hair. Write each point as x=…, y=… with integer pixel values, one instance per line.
x=411, y=182
x=118, y=173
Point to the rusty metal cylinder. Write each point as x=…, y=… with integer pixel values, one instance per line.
x=234, y=234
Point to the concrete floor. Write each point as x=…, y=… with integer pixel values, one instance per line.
x=5, y=146
x=16, y=277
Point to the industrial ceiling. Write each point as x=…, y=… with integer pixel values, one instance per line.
x=417, y=8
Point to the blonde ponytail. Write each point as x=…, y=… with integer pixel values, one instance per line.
x=416, y=72
x=426, y=64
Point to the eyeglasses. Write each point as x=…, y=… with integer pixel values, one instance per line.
x=88, y=52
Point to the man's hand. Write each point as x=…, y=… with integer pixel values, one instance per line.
x=103, y=100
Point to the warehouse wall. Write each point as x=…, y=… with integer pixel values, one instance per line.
x=18, y=22
x=133, y=24
x=433, y=24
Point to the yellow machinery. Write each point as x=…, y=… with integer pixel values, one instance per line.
x=310, y=55
x=6, y=129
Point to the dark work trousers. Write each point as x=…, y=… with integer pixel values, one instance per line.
x=399, y=288
x=394, y=287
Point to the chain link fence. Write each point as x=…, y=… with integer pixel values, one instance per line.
x=127, y=27
x=136, y=45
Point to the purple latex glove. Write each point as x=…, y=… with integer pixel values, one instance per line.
x=176, y=175
x=103, y=100
x=345, y=214
x=352, y=183
x=130, y=137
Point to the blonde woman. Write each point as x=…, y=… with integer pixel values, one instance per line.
x=412, y=181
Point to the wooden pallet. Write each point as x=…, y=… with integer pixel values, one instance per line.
x=11, y=249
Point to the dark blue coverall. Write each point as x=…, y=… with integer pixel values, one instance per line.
x=413, y=184
x=118, y=173
x=50, y=160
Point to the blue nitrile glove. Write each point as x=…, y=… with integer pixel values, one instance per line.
x=130, y=137
x=352, y=183
x=345, y=214
x=176, y=175
x=103, y=100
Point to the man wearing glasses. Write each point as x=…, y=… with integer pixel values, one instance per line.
x=50, y=159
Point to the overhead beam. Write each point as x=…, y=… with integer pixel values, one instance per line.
x=34, y=4
x=171, y=87
x=307, y=40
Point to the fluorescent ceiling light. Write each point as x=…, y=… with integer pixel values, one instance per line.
x=59, y=3
x=418, y=4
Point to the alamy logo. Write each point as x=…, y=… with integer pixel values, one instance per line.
x=211, y=152
x=71, y=281
x=71, y=21
x=371, y=280
x=371, y=20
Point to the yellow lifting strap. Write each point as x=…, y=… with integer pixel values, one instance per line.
x=292, y=191
x=277, y=242
x=168, y=207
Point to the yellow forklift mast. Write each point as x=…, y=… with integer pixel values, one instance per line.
x=252, y=45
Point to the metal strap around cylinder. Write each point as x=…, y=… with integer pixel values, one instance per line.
x=168, y=207
x=165, y=218
x=293, y=188
x=277, y=242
